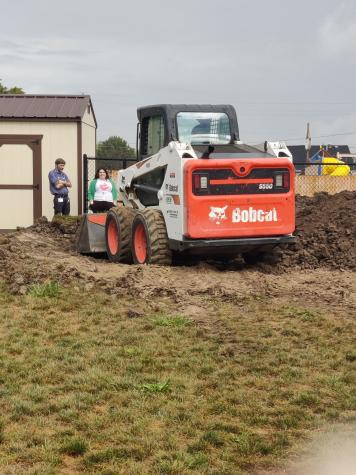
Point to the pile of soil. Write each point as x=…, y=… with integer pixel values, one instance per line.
x=63, y=227
x=326, y=233
x=35, y=254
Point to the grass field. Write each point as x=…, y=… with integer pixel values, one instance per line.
x=88, y=385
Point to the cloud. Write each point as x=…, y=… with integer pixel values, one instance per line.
x=28, y=48
x=337, y=33
x=247, y=53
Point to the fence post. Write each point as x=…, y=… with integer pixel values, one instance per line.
x=85, y=187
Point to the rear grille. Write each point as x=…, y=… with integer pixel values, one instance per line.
x=226, y=182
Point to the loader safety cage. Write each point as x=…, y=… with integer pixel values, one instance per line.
x=91, y=164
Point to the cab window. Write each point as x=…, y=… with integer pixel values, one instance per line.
x=153, y=179
x=200, y=128
x=152, y=135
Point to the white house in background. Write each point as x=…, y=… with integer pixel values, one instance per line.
x=34, y=131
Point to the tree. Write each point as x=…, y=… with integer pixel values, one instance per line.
x=115, y=147
x=12, y=90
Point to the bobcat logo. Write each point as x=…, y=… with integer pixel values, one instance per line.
x=217, y=214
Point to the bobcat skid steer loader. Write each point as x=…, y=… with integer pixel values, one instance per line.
x=196, y=189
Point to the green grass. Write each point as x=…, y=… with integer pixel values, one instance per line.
x=73, y=446
x=155, y=387
x=171, y=321
x=66, y=220
x=49, y=289
x=85, y=389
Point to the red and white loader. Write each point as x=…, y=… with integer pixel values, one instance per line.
x=196, y=189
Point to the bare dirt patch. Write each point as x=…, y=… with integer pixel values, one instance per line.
x=320, y=266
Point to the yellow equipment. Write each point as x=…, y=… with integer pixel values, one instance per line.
x=334, y=167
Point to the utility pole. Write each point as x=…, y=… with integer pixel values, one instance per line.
x=308, y=144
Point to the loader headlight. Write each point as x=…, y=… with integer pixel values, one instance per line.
x=281, y=180
x=203, y=182
x=278, y=181
x=200, y=182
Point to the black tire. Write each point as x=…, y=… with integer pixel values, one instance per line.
x=118, y=234
x=149, y=240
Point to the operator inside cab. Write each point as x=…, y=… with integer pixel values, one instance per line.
x=204, y=128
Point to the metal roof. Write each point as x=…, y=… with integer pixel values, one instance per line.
x=28, y=106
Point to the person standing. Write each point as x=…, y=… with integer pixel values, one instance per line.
x=102, y=192
x=58, y=185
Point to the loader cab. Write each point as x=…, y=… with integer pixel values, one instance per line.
x=200, y=125
x=151, y=134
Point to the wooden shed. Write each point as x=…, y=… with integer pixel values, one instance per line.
x=34, y=131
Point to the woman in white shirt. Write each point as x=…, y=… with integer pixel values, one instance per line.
x=102, y=193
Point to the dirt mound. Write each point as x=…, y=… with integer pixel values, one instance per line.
x=326, y=233
x=61, y=226
x=35, y=254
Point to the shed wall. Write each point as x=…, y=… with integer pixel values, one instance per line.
x=88, y=118
x=59, y=140
x=88, y=140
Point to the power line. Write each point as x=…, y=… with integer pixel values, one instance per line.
x=133, y=144
x=321, y=136
x=314, y=137
x=296, y=102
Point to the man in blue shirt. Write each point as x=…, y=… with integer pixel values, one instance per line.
x=58, y=185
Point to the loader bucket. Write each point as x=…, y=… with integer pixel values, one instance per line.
x=91, y=235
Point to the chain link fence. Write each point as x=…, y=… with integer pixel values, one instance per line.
x=91, y=165
x=331, y=178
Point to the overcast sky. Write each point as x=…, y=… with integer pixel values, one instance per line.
x=281, y=63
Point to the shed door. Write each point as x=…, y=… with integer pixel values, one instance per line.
x=20, y=184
